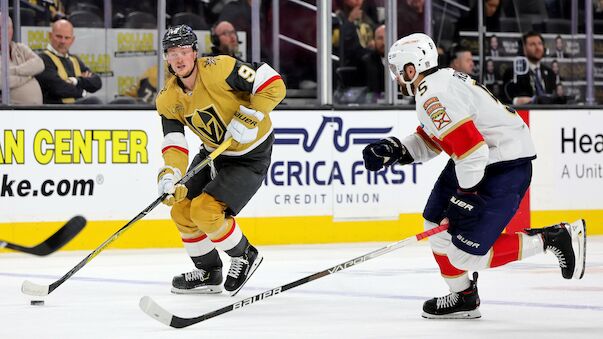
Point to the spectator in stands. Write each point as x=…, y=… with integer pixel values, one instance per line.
x=23, y=65
x=224, y=40
x=66, y=79
x=346, y=43
x=598, y=9
x=371, y=9
x=238, y=13
x=559, y=51
x=494, y=49
x=490, y=75
x=540, y=83
x=352, y=12
x=555, y=68
x=469, y=22
x=559, y=91
x=461, y=59
x=373, y=66
x=492, y=79
x=411, y=18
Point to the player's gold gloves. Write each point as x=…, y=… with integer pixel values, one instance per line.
x=166, y=181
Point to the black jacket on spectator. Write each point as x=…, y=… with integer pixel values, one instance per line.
x=524, y=87
x=55, y=89
x=374, y=72
x=349, y=50
x=346, y=45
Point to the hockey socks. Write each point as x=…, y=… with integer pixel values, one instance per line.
x=245, y=258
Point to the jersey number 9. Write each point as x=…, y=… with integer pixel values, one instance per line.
x=247, y=73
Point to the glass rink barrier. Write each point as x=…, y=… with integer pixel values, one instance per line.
x=328, y=52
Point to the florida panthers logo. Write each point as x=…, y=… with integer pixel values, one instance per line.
x=207, y=124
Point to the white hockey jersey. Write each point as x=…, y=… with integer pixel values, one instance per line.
x=463, y=119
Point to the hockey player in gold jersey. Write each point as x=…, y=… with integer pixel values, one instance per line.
x=215, y=97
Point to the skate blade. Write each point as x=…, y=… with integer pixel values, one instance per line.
x=254, y=267
x=578, y=232
x=199, y=290
x=457, y=315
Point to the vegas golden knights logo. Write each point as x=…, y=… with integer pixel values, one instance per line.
x=208, y=124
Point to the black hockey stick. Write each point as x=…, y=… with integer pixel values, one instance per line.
x=150, y=307
x=59, y=239
x=34, y=289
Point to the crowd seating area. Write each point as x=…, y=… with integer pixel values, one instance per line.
x=358, y=40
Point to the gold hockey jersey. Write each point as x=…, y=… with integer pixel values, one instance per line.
x=223, y=83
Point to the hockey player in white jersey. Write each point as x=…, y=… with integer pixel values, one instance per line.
x=479, y=190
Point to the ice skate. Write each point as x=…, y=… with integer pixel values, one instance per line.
x=198, y=282
x=456, y=305
x=568, y=243
x=241, y=268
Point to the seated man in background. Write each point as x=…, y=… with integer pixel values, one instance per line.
x=23, y=64
x=539, y=84
x=238, y=13
x=224, y=40
x=66, y=79
x=461, y=60
x=373, y=66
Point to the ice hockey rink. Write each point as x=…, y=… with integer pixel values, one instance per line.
x=381, y=298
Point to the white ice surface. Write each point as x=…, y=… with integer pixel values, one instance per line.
x=381, y=298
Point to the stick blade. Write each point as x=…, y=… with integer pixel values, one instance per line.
x=150, y=307
x=63, y=235
x=59, y=239
x=34, y=289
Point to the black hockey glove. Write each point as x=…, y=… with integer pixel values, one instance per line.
x=385, y=152
x=464, y=210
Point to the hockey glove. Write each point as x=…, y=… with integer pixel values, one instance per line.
x=244, y=125
x=464, y=210
x=385, y=152
x=166, y=181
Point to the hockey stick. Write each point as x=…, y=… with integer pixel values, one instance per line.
x=34, y=289
x=59, y=239
x=150, y=307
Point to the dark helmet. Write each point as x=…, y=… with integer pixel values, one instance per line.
x=179, y=36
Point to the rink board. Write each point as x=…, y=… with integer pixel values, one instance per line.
x=103, y=165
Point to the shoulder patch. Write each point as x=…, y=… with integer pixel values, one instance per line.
x=178, y=109
x=440, y=118
x=209, y=61
x=433, y=107
x=430, y=101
